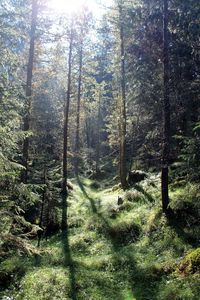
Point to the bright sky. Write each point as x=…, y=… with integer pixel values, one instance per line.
x=70, y=6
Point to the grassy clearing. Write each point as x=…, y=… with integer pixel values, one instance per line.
x=111, y=252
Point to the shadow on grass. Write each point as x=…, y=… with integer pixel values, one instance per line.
x=89, y=276
x=68, y=260
x=179, y=224
x=93, y=206
x=123, y=258
x=105, y=222
x=140, y=189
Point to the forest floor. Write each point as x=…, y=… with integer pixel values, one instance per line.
x=113, y=252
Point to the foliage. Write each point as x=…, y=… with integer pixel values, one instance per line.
x=140, y=254
x=110, y=250
x=190, y=264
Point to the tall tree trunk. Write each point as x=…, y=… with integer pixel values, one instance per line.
x=66, y=115
x=24, y=175
x=123, y=170
x=65, y=134
x=42, y=208
x=98, y=136
x=77, y=142
x=166, y=113
x=88, y=132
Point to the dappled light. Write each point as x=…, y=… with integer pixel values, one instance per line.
x=99, y=150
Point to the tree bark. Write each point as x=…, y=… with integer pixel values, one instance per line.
x=123, y=169
x=98, y=136
x=24, y=175
x=166, y=113
x=42, y=208
x=66, y=115
x=77, y=142
x=65, y=134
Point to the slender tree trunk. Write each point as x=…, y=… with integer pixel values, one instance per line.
x=87, y=127
x=42, y=208
x=65, y=134
x=98, y=136
x=166, y=113
x=24, y=175
x=77, y=142
x=123, y=169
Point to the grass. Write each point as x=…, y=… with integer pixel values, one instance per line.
x=134, y=254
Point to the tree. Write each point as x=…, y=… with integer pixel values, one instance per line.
x=25, y=154
x=77, y=141
x=11, y=136
x=83, y=25
x=166, y=112
x=65, y=130
x=122, y=122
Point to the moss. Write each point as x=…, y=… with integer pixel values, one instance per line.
x=190, y=264
x=179, y=288
x=80, y=242
x=133, y=256
x=12, y=269
x=133, y=196
x=124, y=232
x=45, y=284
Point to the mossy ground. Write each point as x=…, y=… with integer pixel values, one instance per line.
x=111, y=252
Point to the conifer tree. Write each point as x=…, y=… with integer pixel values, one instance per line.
x=166, y=111
x=27, y=115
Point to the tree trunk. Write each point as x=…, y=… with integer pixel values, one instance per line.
x=98, y=136
x=24, y=175
x=166, y=113
x=77, y=142
x=123, y=170
x=65, y=132
x=42, y=208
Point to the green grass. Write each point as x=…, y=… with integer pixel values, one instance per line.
x=134, y=254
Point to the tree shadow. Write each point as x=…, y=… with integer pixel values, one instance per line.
x=136, y=278
x=105, y=222
x=140, y=189
x=117, y=256
x=93, y=206
x=68, y=259
x=178, y=223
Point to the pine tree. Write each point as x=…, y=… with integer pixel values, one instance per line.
x=166, y=112
x=27, y=115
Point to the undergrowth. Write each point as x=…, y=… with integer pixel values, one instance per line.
x=116, y=252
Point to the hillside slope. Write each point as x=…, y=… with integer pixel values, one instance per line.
x=112, y=252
